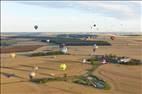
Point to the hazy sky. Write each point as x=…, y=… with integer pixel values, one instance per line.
x=71, y=16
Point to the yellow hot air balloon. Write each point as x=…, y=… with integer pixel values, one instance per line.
x=63, y=67
x=13, y=55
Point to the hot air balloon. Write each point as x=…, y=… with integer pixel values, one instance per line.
x=48, y=40
x=13, y=55
x=112, y=37
x=84, y=61
x=32, y=75
x=104, y=61
x=94, y=25
x=64, y=50
x=63, y=67
x=94, y=49
x=36, y=68
x=36, y=27
x=95, y=46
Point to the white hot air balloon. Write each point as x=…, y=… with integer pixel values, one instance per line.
x=84, y=61
x=32, y=75
x=64, y=50
x=36, y=68
x=48, y=40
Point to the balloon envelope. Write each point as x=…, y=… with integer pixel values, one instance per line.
x=35, y=27
x=13, y=55
x=94, y=25
x=112, y=37
x=33, y=74
x=63, y=67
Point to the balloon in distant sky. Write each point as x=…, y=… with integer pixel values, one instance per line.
x=63, y=67
x=13, y=55
x=94, y=25
x=36, y=27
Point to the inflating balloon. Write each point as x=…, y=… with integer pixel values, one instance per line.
x=64, y=50
x=13, y=55
x=63, y=67
x=36, y=27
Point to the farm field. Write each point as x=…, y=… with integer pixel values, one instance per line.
x=124, y=79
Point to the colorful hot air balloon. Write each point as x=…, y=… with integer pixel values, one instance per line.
x=63, y=67
x=36, y=27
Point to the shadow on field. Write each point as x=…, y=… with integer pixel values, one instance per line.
x=39, y=67
x=63, y=61
x=15, y=82
x=8, y=75
x=15, y=69
x=66, y=90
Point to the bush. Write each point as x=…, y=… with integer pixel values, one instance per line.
x=95, y=80
x=48, y=53
x=133, y=62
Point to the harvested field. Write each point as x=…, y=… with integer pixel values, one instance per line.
x=123, y=79
x=20, y=48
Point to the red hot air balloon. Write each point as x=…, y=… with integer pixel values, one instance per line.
x=112, y=37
